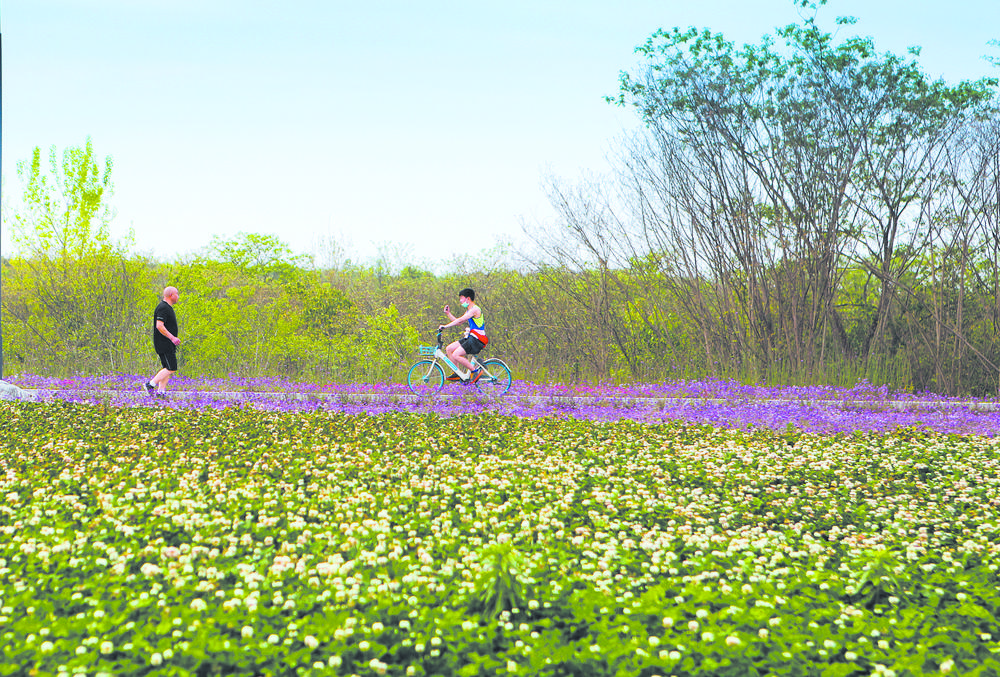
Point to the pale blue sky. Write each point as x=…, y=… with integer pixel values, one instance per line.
x=430, y=124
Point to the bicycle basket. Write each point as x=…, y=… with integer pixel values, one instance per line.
x=427, y=350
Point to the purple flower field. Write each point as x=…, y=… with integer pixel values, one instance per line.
x=727, y=404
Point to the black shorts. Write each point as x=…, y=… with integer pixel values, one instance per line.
x=168, y=359
x=471, y=345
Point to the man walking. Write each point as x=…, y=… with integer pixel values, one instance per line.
x=165, y=341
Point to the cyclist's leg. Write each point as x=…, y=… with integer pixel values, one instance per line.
x=457, y=355
x=449, y=350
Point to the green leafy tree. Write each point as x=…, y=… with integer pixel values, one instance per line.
x=767, y=166
x=256, y=253
x=240, y=309
x=74, y=294
x=65, y=212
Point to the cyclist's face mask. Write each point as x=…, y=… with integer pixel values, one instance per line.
x=465, y=304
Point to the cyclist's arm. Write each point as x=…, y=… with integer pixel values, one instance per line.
x=470, y=312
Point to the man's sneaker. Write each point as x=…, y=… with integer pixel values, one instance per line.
x=150, y=388
x=453, y=378
x=474, y=377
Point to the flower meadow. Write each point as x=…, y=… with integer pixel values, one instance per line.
x=244, y=540
x=820, y=409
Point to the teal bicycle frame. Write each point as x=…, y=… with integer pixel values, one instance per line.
x=427, y=376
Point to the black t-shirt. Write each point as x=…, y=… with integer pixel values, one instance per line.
x=164, y=312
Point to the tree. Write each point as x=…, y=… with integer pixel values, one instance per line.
x=66, y=210
x=256, y=252
x=766, y=167
x=74, y=292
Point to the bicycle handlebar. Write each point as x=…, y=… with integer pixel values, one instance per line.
x=439, y=339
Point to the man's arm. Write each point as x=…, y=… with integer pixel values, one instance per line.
x=160, y=327
x=469, y=312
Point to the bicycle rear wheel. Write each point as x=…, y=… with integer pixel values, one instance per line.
x=426, y=377
x=496, y=378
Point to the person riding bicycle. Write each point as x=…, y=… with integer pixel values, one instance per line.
x=475, y=338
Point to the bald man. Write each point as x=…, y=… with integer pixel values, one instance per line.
x=165, y=341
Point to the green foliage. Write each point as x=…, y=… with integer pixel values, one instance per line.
x=503, y=578
x=247, y=542
x=255, y=254
x=256, y=314
x=789, y=190
x=72, y=294
x=66, y=211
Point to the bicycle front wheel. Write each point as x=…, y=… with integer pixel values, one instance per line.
x=425, y=378
x=496, y=377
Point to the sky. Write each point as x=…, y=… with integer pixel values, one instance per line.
x=418, y=131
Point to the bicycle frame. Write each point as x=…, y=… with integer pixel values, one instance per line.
x=439, y=359
x=439, y=354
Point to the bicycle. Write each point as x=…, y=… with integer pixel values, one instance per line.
x=426, y=377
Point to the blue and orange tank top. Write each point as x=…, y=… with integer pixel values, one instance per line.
x=477, y=327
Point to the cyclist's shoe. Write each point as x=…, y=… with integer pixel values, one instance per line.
x=474, y=376
x=454, y=378
x=150, y=388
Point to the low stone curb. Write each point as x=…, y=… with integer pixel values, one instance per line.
x=8, y=391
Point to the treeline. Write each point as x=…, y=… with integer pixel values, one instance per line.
x=797, y=211
x=797, y=206
x=261, y=312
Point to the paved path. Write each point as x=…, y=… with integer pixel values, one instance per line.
x=362, y=398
